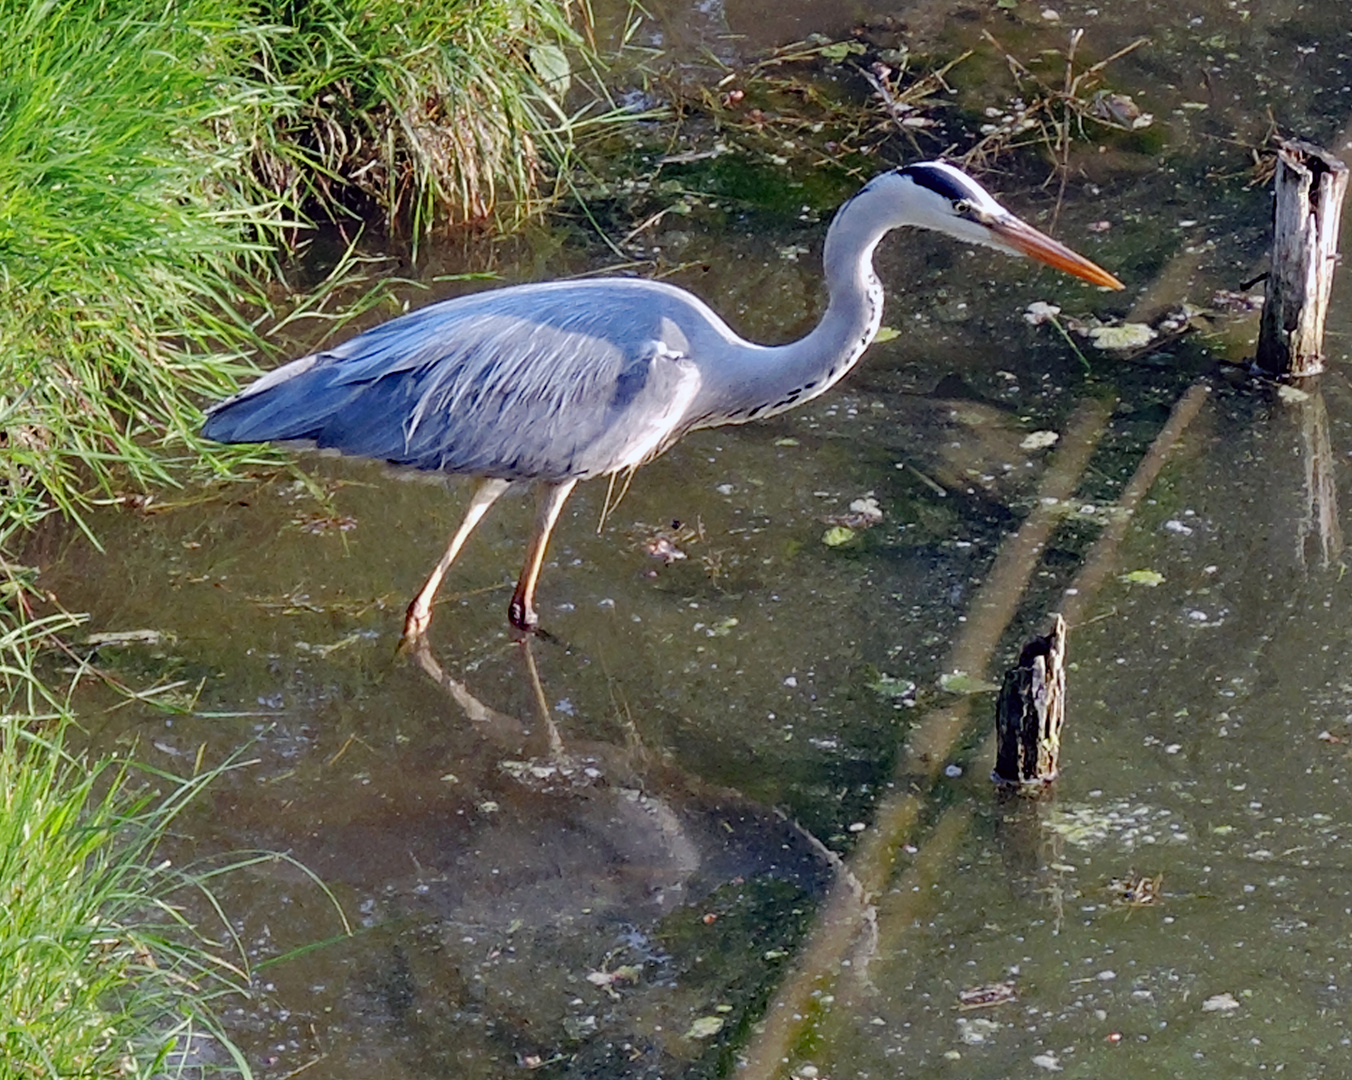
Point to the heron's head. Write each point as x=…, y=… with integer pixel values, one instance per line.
x=935, y=195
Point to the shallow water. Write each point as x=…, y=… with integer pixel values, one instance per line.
x=607, y=853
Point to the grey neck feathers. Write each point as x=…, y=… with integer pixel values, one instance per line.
x=761, y=380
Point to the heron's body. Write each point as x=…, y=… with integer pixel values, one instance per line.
x=545, y=381
x=561, y=381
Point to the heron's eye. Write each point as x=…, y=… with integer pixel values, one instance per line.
x=964, y=208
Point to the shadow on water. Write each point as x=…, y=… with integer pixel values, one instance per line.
x=622, y=851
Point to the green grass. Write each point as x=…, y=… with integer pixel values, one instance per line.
x=129, y=262
x=413, y=113
x=100, y=974
x=105, y=969
x=153, y=156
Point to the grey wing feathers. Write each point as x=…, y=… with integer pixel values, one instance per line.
x=542, y=382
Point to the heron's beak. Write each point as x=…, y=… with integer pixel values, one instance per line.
x=1023, y=238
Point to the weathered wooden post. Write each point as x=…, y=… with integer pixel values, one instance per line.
x=1029, y=714
x=1310, y=185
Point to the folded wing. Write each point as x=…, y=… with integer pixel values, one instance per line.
x=536, y=382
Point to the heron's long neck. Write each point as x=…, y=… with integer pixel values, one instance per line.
x=762, y=380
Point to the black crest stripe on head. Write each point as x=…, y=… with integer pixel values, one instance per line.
x=940, y=181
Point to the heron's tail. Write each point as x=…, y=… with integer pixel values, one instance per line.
x=319, y=401
x=281, y=406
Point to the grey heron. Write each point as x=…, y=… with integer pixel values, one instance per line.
x=560, y=381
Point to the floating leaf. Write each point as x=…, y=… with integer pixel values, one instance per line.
x=837, y=535
x=1039, y=440
x=131, y=637
x=838, y=50
x=628, y=973
x=867, y=507
x=1039, y=312
x=891, y=686
x=864, y=513
x=959, y=682
x=1144, y=577
x=982, y=997
x=661, y=547
x=705, y=1027
x=886, y=333
x=977, y=1029
x=1126, y=336
x=1119, y=110
x=1292, y=394
x=551, y=64
x=1220, y=1003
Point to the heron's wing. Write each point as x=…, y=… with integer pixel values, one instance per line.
x=542, y=382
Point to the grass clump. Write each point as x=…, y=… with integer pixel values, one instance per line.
x=412, y=113
x=128, y=251
x=100, y=976
x=152, y=156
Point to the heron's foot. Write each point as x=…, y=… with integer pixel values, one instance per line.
x=521, y=614
x=534, y=633
x=416, y=621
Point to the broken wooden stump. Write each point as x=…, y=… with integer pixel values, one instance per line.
x=1308, y=205
x=1029, y=714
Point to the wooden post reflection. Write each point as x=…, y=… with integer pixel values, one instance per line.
x=1320, y=520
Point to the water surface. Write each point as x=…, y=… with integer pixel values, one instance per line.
x=603, y=854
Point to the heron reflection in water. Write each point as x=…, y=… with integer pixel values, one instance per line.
x=561, y=381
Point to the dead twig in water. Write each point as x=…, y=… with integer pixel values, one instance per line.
x=1052, y=116
x=903, y=104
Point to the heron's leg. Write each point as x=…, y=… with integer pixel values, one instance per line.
x=420, y=609
x=522, y=608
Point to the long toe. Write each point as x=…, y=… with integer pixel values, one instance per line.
x=416, y=621
x=523, y=617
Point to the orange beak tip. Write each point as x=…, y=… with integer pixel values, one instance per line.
x=1037, y=245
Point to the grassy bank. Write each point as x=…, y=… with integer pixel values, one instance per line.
x=152, y=157
x=126, y=253
x=414, y=113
